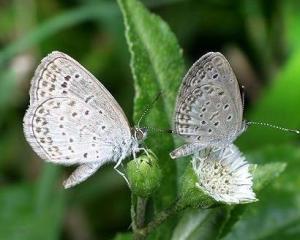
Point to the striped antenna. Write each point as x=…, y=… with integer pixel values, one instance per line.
x=170, y=131
x=148, y=108
x=160, y=130
x=273, y=126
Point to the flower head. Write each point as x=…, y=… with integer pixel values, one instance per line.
x=224, y=175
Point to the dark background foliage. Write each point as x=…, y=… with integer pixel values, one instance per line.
x=259, y=38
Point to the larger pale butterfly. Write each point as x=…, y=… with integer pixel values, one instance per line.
x=209, y=107
x=73, y=119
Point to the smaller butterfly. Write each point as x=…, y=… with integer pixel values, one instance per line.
x=209, y=107
x=73, y=119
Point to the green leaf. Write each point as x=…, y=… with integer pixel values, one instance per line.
x=277, y=213
x=266, y=174
x=200, y=224
x=263, y=175
x=157, y=65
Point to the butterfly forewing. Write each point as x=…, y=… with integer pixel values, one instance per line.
x=60, y=75
x=209, y=107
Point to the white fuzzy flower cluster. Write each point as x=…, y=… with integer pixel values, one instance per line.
x=224, y=175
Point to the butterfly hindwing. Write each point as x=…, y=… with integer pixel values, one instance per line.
x=67, y=131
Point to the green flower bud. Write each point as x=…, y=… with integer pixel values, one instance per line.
x=144, y=174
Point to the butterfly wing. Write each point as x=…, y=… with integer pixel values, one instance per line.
x=67, y=131
x=209, y=107
x=60, y=75
x=72, y=118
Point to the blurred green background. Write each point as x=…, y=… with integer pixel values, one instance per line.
x=260, y=40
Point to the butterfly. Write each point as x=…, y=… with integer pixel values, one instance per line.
x=74, y=120
x=209, y=107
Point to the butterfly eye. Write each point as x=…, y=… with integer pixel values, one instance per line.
x=139, y=135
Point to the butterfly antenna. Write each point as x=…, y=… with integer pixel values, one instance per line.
x=273, y=126
x=159, y=130
x=169, y=131
x=148, y=108
x=243, y=97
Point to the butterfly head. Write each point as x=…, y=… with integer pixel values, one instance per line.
x=140, y=134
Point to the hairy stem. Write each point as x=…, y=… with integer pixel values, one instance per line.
x=132, y=213
x=159, y=219
x=140, y=210
x=138, y=216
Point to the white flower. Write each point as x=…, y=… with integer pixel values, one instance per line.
x=224, y=175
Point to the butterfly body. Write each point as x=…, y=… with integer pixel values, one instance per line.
x=73, y=119
x=209, y=111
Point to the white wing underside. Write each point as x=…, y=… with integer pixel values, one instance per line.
x=73, y=119
x=208, y=108
x=67, y=131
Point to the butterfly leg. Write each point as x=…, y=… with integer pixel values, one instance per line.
x=207, y=152
x=186, y=149
x=145, y=151
x=81, y=173
x=134, y=157
x=121, y=173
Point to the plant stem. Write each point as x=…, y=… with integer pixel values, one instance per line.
x=140, y=210
x=132, y=213
x=159, y=219
x=138, y=216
